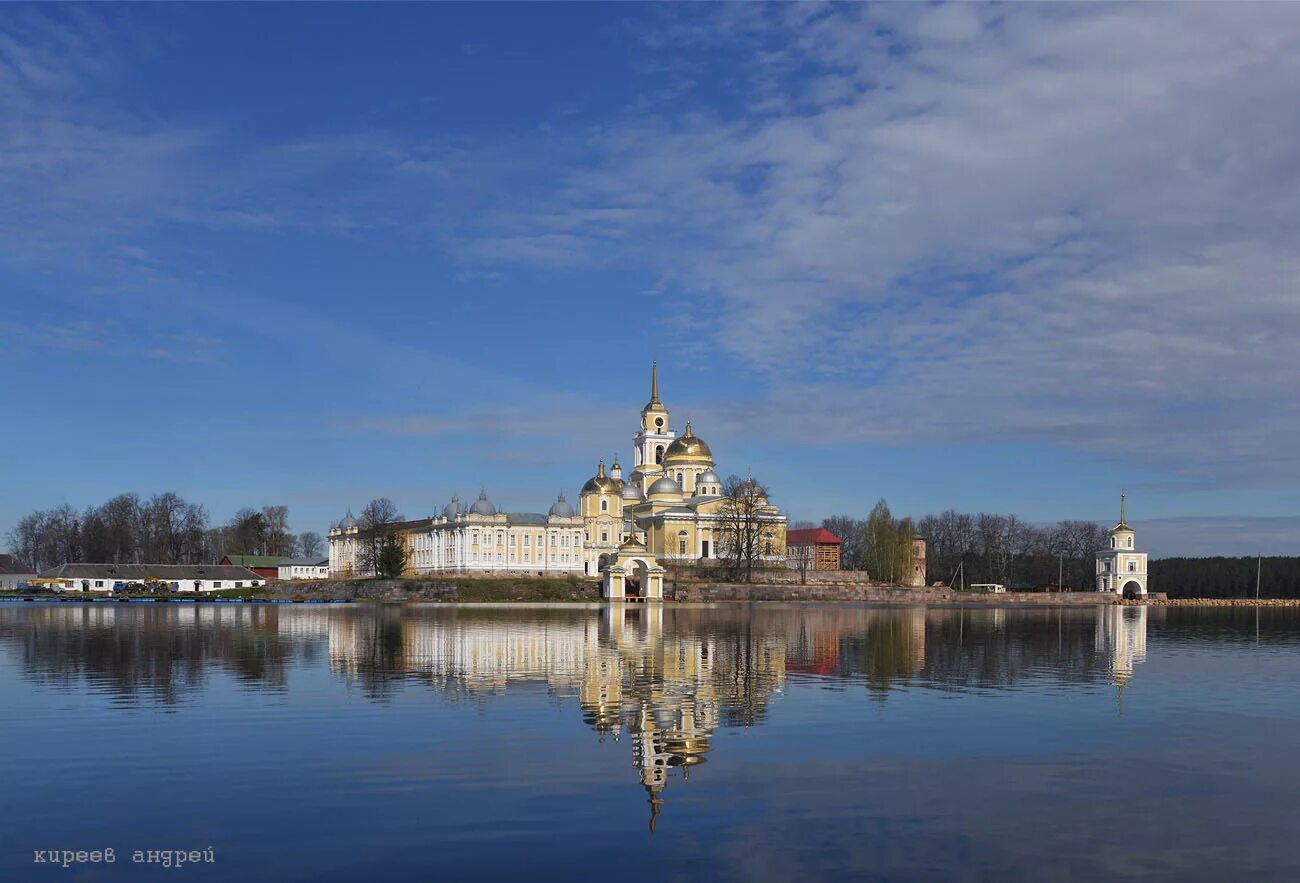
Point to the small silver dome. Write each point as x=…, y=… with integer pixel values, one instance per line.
x=708, y=476
x=665, y=485
x=482, y=506
x=454, y=508
x=632, y=491
x=561, y=508
x=348, y=521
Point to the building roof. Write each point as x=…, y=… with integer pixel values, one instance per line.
x=258, y=560
x=10, y=564
x=130, y=572
x=809, y=536
x=525, y=518
x=305, y=562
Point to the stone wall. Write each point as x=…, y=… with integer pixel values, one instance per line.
x=844, y=592
x=534, y=589
x=444, y=589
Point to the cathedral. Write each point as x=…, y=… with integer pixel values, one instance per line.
x=671, y=507
x=671, y=501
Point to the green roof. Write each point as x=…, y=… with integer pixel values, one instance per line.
x=258, y=560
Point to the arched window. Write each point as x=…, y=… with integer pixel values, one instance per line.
x=604, y=505
x=659, y=454
x=681, y=542
x=1112, y=542
x=1130, y=542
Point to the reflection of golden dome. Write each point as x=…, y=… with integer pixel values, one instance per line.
x=690, y=448
x=685, y=748
x=601, y=483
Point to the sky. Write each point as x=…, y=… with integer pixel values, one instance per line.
x=1007, y=258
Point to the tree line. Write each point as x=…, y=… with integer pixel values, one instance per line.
x=161, y=529
x=989, y=548
x=880, y=544
x=1279, y=577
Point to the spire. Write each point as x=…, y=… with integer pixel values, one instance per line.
x=654, y=383
x=600, y=470
x=1122, y=519
x=688, y=433
x=655, y=803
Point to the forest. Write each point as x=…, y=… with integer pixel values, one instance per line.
x=163, y=528
x=1279, y=577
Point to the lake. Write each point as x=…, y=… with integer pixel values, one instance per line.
x=764, y=743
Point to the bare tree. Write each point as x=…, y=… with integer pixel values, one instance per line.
x=743, y=540
x=852, y=533
x=173, y=530
x=374, y=525
x=310, y=544
x=278, y=539
x=245, y=533
x=803, y=556
x=121, y=517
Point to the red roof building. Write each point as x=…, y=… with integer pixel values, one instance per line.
x=821, y=547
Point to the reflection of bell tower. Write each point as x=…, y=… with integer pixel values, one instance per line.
x=655, y=435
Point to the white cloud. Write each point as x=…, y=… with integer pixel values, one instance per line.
x=1072, y=224
x=1078, y=225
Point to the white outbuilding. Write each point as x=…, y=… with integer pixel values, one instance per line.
x=177, y=577
x=304, y=568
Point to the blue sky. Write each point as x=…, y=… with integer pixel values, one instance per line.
x=981, y=257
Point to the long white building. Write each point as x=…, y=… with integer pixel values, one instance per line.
x=479, y=537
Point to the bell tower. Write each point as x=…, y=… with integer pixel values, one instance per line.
x=1122, y=568
x=655, y=435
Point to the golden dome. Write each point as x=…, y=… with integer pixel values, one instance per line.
x=690, y=448
x=601, y=483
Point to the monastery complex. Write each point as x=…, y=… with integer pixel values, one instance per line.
x=670, y=507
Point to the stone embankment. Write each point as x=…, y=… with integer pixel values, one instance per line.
x=1213, y=602
x=865, y=592
x=506, y=589
x=477, y=589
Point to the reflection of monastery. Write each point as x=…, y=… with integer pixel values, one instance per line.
x=667, y=694
x=670, y=507
x=668, y=679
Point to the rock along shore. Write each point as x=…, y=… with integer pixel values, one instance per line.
x=534, y=589
x=1214, y=602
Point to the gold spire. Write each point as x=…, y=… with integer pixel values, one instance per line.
x=688, y=433
x=1123, y=519
x=600, y=470
x=654, y=383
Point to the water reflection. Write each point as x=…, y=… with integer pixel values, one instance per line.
x=665, y=678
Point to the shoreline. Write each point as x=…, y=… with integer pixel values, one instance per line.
x=873, y=598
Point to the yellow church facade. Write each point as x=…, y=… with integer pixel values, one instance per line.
x=672, y=500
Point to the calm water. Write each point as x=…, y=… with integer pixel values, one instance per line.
x=357, y=743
